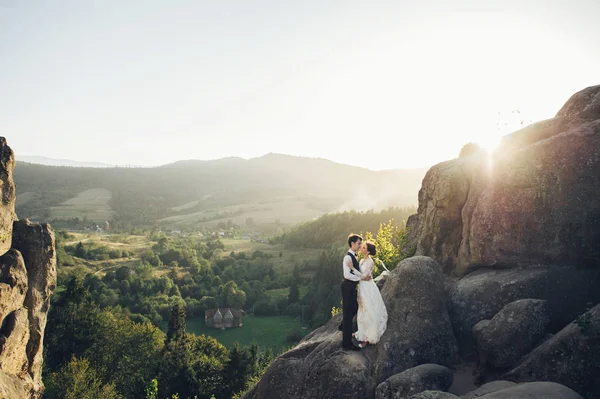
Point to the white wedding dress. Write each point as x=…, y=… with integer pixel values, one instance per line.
x=372, y=315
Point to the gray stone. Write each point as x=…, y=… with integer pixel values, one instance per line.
x=511, y=333
x=7, y=195
x=419, y=329
x=415, y=380
x=36, y=244
x=489, y=388
x=483, y=293
x=533, y=201
x=433, y=395
x=571, y=357
x=534, y=390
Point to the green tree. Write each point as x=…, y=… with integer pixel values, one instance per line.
x=152, y=389
x=127, y=353
x=391, y=241
x=80, y=250
x=236, y=299
x=193, y=367
x=238, y=369
x=73, y=317
x=177, y=322
x=78, y=380
x=294, y=295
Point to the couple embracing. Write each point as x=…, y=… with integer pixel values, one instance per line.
x=361, y=296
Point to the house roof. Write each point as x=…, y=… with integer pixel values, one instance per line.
x=235, y=313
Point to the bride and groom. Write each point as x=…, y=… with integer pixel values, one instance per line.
x=361, y=296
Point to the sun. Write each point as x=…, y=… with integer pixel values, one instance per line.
x=490, y=143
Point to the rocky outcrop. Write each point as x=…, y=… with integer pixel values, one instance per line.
x=7, y=195
x=483, y=293
x=419, y=329
x=511, y=333
x=415, y=380
x=534, y=201
x=488, y=388
x=571, y=357
x=434, y=395
x=418, y=332
x=27, y=281
x=534, y=390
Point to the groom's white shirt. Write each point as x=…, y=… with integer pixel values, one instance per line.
x=347, y=266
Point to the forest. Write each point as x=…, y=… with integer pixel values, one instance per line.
x=119, y=329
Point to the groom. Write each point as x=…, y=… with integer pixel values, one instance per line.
x=348, y=287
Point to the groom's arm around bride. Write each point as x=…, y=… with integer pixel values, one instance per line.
x=348, y=289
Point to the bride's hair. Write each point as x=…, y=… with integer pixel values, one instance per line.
x=371, y=248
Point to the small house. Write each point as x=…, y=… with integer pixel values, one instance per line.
x=223, y=318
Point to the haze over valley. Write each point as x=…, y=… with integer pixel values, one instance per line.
x=271, y=189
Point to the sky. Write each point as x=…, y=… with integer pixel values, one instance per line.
x=378, y=84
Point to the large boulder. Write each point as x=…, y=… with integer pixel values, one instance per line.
x=433, y=395
x=511, y=333
x=533, y=201
x=419, y=329
x=534, y=390
x=7, y=195
x=437, y=228
x=415, y=380
x=483, y=293
x=571, y=357
x=36, y=244
x=488, y=388
x=319, y=368
x=418, y=332
x=27, y=281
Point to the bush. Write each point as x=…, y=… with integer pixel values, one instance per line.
x=63, y=258
x=265, y=308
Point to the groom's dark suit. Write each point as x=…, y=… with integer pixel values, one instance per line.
x=349, y=304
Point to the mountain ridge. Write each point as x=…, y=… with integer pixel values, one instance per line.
x=273, y=187
x=60, y=162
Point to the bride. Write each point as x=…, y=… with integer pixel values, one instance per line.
x=372, y=315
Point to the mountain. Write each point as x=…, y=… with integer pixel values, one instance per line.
x=62, y=162
x=268, y=189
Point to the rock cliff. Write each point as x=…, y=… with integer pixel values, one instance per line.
x=532, y=201
x=507, y=254
x=27, y=281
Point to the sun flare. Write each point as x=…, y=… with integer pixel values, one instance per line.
x=490, y=143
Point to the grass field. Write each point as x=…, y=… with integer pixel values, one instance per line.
x=93, y=204
x=266, y=331
x=285, y=262
x=288, y=210
x=24, y=198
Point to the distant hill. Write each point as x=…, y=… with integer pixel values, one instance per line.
x=272, y=188
x=62, y=162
